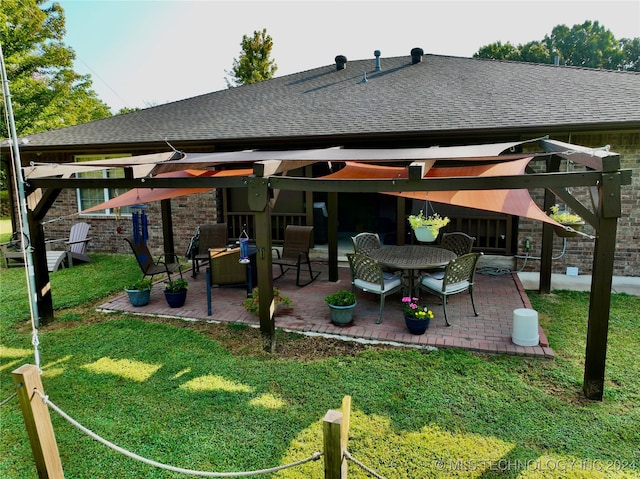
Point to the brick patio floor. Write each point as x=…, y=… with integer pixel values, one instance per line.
x=496, y=298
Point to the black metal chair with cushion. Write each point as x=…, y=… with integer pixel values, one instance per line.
x=365, y=242
x=298, y=240
x=459, y=276
x=213, y=235
x=150, y=267
x=367, y=274
x=459, y=243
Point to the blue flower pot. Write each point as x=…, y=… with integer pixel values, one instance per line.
x=342, y=315
x=416, y=326
x=139, y=297
x=176, y=300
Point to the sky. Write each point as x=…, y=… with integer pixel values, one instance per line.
x=141, y=53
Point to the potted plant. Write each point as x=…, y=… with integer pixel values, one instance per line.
x=341, y=304
x=175, y=292
x=139, y=292
x=416, y=317
x=566, y=219
x=252, y=304
x=426, y=228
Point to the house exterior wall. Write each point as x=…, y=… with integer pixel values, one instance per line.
x=189, y=211
x=579, y=251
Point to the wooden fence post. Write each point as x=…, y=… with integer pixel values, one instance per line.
x=335, y=435
x=38, y=422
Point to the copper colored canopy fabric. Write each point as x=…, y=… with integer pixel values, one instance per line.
x=512, y=202
x=139, y=196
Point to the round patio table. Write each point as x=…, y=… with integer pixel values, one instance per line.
x=412, y=258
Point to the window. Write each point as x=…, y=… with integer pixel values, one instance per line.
x=88, y=197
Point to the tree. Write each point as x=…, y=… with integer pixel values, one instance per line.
x=587, y=45
x=254, y=64
x=46, y=93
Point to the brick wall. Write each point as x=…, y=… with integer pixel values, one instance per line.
x=187, y=212
x=579, y=251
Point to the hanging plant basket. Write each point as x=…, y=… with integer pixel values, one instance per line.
x=426, y=228
x=563, y=233
x=426, y=234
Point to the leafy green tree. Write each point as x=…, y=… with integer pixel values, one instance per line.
x=46, y=93
x=254, y=64
x=587, y=45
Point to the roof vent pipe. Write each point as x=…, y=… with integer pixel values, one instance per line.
x=377, y=55
x=556, y=60
x=341, y=62
x=416, y=55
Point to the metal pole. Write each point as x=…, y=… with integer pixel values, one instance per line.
x=19, y=182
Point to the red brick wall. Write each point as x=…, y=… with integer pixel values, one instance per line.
x=579, y=251
x=187, y=212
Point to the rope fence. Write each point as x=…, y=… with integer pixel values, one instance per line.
x=8, y=399
x=45, y=399
x=47, y=458
x=349, y=457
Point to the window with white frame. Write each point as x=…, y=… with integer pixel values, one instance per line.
x=88, y=197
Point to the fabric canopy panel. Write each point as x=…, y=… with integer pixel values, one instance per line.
x=139, y=196
x=511, y=202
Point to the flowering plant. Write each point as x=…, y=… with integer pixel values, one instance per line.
x=413, y=310
x=434, y=221
x=564, y=217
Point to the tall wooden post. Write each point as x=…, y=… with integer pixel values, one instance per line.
x=41, y=273
x=258, y=192
x=332, y=235
x=38, y=422
x=609, y=209
x=167, y=226
x=546, y=263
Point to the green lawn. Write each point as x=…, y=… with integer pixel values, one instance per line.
x=5, y=229
x=207, y=396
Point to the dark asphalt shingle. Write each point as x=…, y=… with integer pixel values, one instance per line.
x=439, y=94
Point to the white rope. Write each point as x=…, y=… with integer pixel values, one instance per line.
x=349, y=457
x=314, y=457
x=22, y=201
x=8, y=399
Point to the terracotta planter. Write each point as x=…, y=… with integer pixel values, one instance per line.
x=416, y=326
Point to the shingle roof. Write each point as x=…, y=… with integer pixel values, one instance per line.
x=439, y=94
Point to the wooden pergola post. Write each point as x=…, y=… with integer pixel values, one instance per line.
x=258, y=196
x=609, y=208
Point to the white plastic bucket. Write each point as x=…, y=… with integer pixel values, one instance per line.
x=525, y=327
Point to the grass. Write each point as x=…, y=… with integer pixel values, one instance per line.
x=207, y=396
x=5, y=230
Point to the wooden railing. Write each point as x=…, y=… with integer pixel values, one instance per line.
x=493, y=233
